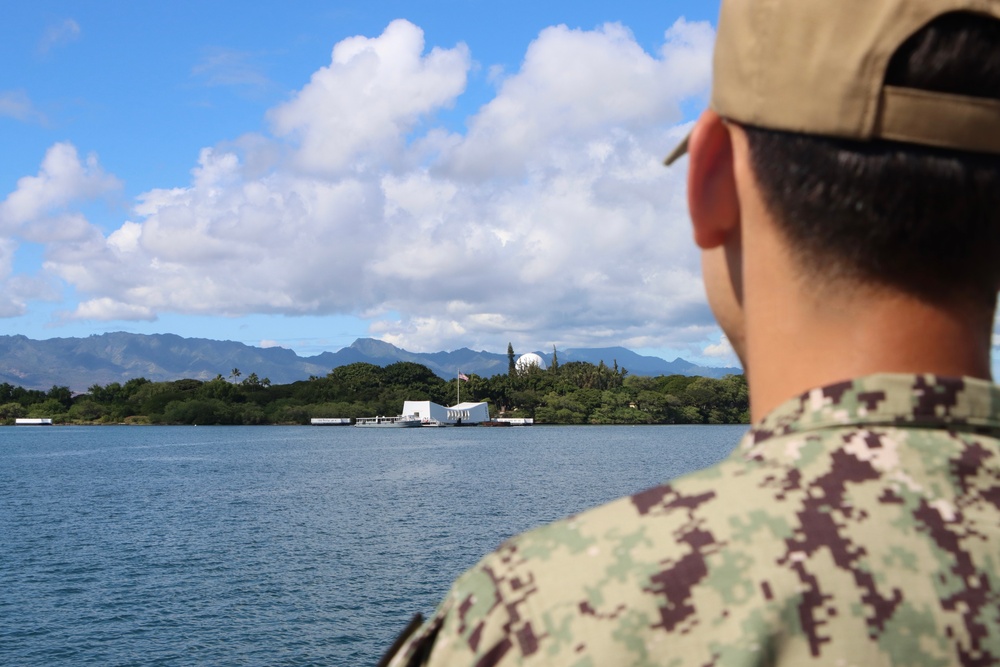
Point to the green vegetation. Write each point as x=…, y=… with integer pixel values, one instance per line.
x=570, y=393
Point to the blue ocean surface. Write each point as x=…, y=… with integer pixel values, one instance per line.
x=261, y=545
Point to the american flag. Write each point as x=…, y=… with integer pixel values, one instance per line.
x=463, y=376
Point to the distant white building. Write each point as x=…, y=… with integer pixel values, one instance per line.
x=463, y=413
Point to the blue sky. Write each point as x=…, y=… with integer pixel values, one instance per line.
x=434, y=174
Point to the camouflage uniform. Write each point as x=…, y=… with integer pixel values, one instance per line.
x=858, y=524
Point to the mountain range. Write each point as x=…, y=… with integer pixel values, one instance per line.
x=117, y=357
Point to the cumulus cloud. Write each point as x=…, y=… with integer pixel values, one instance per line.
x=41, y=210
x=10, y=305
x=357, y=111
x=39, y=205
x=582, y=86
x=105, y=309
x=551, y=220
x=17, y=290
x=723, y=349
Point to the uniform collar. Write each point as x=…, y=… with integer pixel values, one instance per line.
x=887, y=399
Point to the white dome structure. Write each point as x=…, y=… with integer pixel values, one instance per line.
x=526, y=361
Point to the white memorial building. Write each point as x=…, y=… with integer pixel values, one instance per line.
x=463, y=413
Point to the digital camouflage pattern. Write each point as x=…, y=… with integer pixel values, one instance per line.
x=858, y=524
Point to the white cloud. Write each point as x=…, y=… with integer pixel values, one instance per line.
x=62, y=180
x=357, y=110
x=59, y=34
x=17, y=105
x=105, y=310
x=16, y=290
x=41, y=210
x=126, y=238
x=576, y=87
x=723, y=349
x=552, y=220
x=10, y=305
x=7, y=248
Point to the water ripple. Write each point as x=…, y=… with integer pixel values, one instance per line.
x=279, y=546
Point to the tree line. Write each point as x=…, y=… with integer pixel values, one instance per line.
x=571, y=393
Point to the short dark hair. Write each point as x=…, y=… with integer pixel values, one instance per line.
x=923, y=220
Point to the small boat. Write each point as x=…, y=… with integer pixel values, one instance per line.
x=402, y=421
x=330, y=421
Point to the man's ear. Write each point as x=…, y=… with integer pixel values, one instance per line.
x=712, y=196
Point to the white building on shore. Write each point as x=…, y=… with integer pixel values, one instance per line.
x=463, y=413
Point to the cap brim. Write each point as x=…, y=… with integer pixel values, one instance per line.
x=679, y=152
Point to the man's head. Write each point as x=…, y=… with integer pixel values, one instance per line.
x=872, y=132
x=917, y=218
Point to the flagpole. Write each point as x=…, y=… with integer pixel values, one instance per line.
x=458, y=388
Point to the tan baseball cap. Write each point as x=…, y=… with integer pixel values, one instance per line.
x=818, y=67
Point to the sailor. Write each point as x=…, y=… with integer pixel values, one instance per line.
x=844, y=189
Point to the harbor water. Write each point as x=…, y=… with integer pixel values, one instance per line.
x=281, y=545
